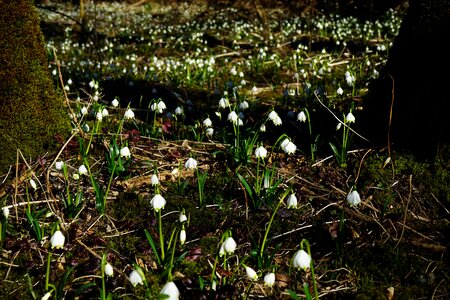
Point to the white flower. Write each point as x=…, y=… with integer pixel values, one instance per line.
x=47, y=295
x=109, y=271
x=254, y=90
x=99, y=116
x=277, y=121
x=340, y=91
x=125, y=152
x=233, y=117
x=135, y=278
x=301, y=260
x=229, y=245
x=260, y=152
x=154, y=180
x=350, y=118
x=161, y=106
x=190, y=164
x=223, y=102
x=182, y=236
x=233, y=71
x=59, y=165
x=76, y=176
x=129, y=114
x=350, y=79
x=353, y=198
x=262, y=128
x=179, y=110
x=82, y=170
x=272, y=115
x=243, y=105
x=301, y=116
x=221, y=250
x=269, y=279
x=33, y=184
x=182, y=218
x=291, y=202
x=251, y=273
x=115, y=103
x=84, y=110
x=5, y=212
x=209, y=131
x=207, y=122
x=105, y=112
x=171, y=290
x=158, y=202
x=288, y=146
x=338, y=126
x=57, y=240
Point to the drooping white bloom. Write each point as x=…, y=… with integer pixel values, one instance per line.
x=109, y=271
x=161, y=106
x=223, y=102
x=221, y=250
x=207, y=122
x=277, y=121
x=125, y=152
x=288, y=146
x=233, y=117
x=269, y=279
x=105, y=112
x=260, y=152
x=47, y=295
x=338, y=126
x=84, y=110
x=301, y=116
x=170, y=289
x=262, y=128
x=5, y=211
x=233, y=71
x=353, y=198
x=158, y=202
x=209, y=131
x=154, y=180
x=301, y=260
x=129, y=114
x=349, y=78
x=350, y=118
x=190, y=164
x=272, y=115
x=179, y=110
x=243, y=105
x=115, y=103
x=135, y=278
x=59, y=165
x=229, y=245
x=182, y=218
x=76, y=176
x=340, y=91
x=291, y=202
x=33, y=184
x=99, y=116
x=82, y=170
x=251, y=273
x=57, y=240
x=182, y=236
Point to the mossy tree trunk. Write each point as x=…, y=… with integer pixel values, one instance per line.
x=32, y=112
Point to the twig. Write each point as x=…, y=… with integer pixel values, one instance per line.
x=406, y=212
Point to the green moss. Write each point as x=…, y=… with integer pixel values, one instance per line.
x=32, y=112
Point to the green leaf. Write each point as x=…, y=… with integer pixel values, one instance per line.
x=152, y=244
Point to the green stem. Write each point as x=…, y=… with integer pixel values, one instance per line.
x=169, y=276
x=47, y=273
x=161, y=237
x=97, y=124
x=308, y=249
x=103, y=291
x=109, y=186
x=311, y=145
x=200, y=187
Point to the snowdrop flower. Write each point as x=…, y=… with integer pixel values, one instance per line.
x=76, y=176
x=260, y=152
x=269, y=279
x=207, y=122
x=129, y=114
x=190, y=164
x=229, y=245
x=57, y=240
x=47, y=295
x=353, y=198
x=182, y=236
x=161, y=107
x=171, y=290
x=338, y=126
x=158, y=202
x=135, y=278
x=33, y=184
x=301, y=116
x=209, y=131
x=59, y=165
x=115, y=103
x=105, y=112
x=125, y=152
x=350, y=79
x=243, y=105
x=233, y=117
x=223, y=102
x=179, y=110
x=254, y=90
x=340, y=91
x=277, y=121
x=262, y=128
x=182, y=218
x=291, y=202
x=350, y=118
x=154, y=180
x=290, y=148
x=301, y=260
x=233, y=71
x=82, y=170
x=5, y=211
x=272, y=115
x=251, y=273
x=109, y=271
x=99, y=116
x=84, y=110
